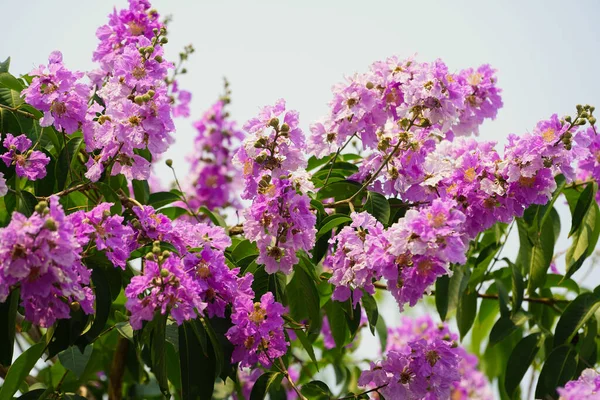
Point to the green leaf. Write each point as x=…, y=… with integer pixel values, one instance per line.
x=382, y=332
x=442, y=285
x=316, y=390
x=466, y=312
x=577, y=313
x=582, y=207
x=75, y=360
x=65, y=162
x=519, y=361
x=303, y=298
x=337, y=323
x=10, y=82
x=307, y=345
x=173, y=212
x=263, y=383
x=339, y=190
x=4, y=65
x=378, y=206
x=214, y=217
x=502, y=328
x=141, y=191
x=558, y=369
x=8, y=324
x=331, y=222
x=198, y=367
x=160, y=199
x=158, y=352
x=584, y=240
x=102, y=290
x=20, y=369
x=370, y=306
x=518, y=286
x=125, y=330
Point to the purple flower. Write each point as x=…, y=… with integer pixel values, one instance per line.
x=423, y=370
x=107, y=231
x=30, y=164
x=213, y=180
x=354, y=262
x=257, y=331
x=42, y=256
x=163, y=287
x=281, y=223
x=586, y=387
x=181, y=108
x=55, y=91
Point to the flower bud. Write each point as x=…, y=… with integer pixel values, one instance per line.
x=164, y=273
x=274, y=122
x=138, y=100
x=75, y=306
x=50, y=224
x=370, y=85
x=285, y=127
x=149, y=256
x=151, y=93
x=106, y=214
x=164, y=40
x=169, y=162
x=156, y=250
x=41, y=206
x=592, y=120
x=166, y=253
x=146, y=98
x=158, y=59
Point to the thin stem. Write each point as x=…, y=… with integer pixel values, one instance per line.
x=285, y=372
x=356, y=396
x=376, y=174
x=334, y=158
x=183, y=195
x=25, y=113
x=550, y=301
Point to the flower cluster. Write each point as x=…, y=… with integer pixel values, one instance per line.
x=472, y=384
x=56, y=91
x=106, y=231
x=166, y=287
x=40, y=255
x=411, y=254
x=213, y=179
x=422, y=244
x=133, y=115
x=424, y=369
x=279, y=220
x=257, y=331
x=586, y=387
x=30, y=164
x=201, y=281
x=400, y=110
x=355, y=262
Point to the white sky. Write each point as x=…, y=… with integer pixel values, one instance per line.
x=546, y=52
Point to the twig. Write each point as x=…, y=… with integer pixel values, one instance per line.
x=117, y=370
x=25, y=113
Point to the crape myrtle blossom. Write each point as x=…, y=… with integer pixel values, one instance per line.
x=355, y=262
x=272, y=157
x=181, y=101
x=56, y=92
x=41, y=255
x=424, y=369
x=126, y=26
x=411, y=254
x=164, y=286
x=257, y=332
x=107, y=232
x=30, y=164
x=589, y=165
x=472, y=384
x=587, y=386
x=402, y=109
x=197, y=281
x=213, y=179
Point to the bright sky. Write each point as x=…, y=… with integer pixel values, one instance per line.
x=545, y=51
